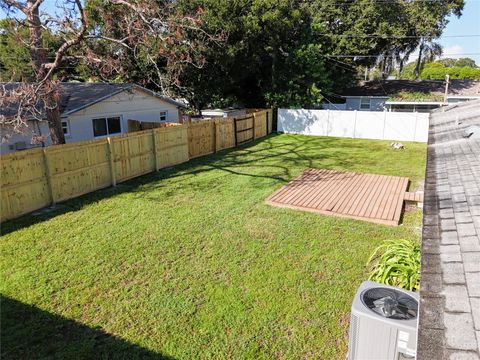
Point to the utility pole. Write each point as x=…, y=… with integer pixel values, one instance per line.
x=447, y=81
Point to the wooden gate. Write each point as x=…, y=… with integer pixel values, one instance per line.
x=244, y=129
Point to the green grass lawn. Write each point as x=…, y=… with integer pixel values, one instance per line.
x=190, y=263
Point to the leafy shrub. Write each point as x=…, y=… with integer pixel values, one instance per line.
x=431, y=72
x=396, y=263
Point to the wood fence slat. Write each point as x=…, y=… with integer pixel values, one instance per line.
x=48, y=177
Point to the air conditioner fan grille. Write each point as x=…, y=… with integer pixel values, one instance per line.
x=390, y=303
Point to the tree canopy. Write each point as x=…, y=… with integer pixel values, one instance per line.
x=293, y=52
x=249, y=52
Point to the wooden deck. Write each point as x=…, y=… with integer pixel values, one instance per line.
x=414, y=197
x=369, y=197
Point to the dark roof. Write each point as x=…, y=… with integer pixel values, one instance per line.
x=390, y=87
x=75, y=96
x=449, y=326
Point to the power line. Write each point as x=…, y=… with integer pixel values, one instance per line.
x=387, y=2
x=339, y=64
x=387, y=56
x=384, y=36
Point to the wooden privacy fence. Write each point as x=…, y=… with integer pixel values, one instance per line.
x=136, y=125
x=36, y=178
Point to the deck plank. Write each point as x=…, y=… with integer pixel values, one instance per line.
x=361, y=195
x=322, y=196
x=310, y=193
x=334, y=189
x=381, y=194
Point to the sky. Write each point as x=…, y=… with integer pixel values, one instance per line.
x=454, y=47
x=467, y=24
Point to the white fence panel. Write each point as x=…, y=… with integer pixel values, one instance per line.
x=369, y=125
x=341, y=123
x=355, y=124
x=421, y=129
x=303, y=121
x=400, y=126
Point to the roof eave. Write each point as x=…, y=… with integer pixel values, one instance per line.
x=413, y=103
x=366, y=96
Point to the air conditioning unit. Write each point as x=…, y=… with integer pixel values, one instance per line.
x=383, y=323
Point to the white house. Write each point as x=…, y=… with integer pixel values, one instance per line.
x=223, y=113
x=95, y=110
x=403, y=95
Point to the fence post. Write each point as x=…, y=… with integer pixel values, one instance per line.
x=189, y=138
x=328, y=121
x=215, y=124
x=355, y=125
x=253, y=125
x=267, y=128
x=235, y=131
x=155, y=150
x=48, y=176
x=384, y=124
x=111, y=160
x=415, y=129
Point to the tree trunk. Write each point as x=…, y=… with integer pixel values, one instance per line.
x=52, y=109
x=419, y=61
x=400, y=67
x=36, y=44
x=49, y=91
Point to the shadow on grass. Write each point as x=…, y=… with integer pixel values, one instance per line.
x=31, y=333
x=266, y=153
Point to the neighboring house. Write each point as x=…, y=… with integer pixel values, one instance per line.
x=95, y=110
x=404, y=95
x=222, y=113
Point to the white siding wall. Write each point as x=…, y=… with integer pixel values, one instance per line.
x=332, y=106
x=355, y=124
x=376, y=104
x=135, y=105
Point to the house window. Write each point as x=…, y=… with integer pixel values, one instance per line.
x=364, y=104
x=163, y=115
x=66, y=128
x=106, y=126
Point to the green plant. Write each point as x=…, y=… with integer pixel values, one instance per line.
x=396, y=263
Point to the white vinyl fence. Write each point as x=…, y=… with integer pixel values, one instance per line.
x=400, y=126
